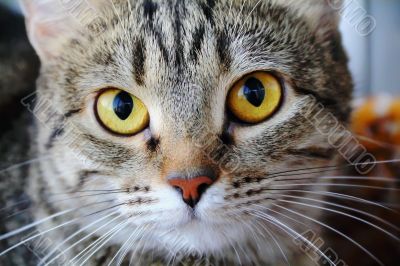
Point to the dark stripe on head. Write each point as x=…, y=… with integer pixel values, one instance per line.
x=207, y=8
x=103, y=58
x=149, y=8
x=223, y=50
x=178, y=36
x=198, y=38
x=139, y=59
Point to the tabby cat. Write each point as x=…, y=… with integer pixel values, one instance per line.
x=178, y=132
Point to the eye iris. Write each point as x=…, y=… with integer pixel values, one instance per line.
x=123, y=105
x=254, y=91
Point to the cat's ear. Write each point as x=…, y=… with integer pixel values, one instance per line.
x=50, y=23
x=47, y=25
x=322, y=15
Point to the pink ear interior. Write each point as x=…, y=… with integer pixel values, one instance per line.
x=48, y=24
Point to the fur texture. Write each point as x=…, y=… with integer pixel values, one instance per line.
x=181, y=58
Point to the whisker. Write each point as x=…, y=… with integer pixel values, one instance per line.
x=26, y=163
x=89, y=195
x=323, y=169
x=341, y=196
x=125, y=245
x=14, y=205
x=338, y=185
x=277, y=244
x=80, y=240
x=334, y=230
x=234, y=250
x=86, y=191
x=287, y=230
x=359, y=178
x=44, y=232
x=16, y=213
x=31, y=225
x=52, y=202
x=134, y=251
x=119, y=18
x=256, y=239
x=248, y=16
x=378, y=142
x=104, y=242
x=346, y=214
x=48, y=255
x=237, y=20
x=93, y=244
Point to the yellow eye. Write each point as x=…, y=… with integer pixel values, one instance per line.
x=255, y=97
x=121, y=112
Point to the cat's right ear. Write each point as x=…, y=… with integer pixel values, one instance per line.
x=48, y=26
x=50, y=23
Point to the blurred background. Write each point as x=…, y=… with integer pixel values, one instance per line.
x=371, y=32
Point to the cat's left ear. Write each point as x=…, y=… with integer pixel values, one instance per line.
x=51, y=23
x=323, y=16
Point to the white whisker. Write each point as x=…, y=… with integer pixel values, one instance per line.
x=344, y=214
x=113, y=231
x=124, y=246
x=248, y=16
x=347, y=208
x=333, y=230
x=40, y=234
x=26, y=163
x=341, y=196
x=336, y=185
x=119, y=18
x=288, y=230
x=31, y=225
x=269, y=232
x=43, y=260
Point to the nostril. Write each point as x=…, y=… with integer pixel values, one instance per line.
x=202, y=188
x=180, y=191
x=191, y=189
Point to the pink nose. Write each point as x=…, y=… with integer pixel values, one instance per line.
x=191, y=189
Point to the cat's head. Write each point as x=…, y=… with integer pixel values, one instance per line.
x=182, y=112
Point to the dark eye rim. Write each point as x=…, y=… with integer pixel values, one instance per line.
x=235, y=120
x=96, y=113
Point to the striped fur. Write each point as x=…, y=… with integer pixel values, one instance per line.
x=181, y=58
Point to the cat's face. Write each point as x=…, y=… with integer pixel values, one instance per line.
x=182, y=61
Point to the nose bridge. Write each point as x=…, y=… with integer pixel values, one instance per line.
x=181, y=154
x=185, y=104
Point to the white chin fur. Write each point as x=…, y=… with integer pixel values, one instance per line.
x=178, y=230
x=202, y=238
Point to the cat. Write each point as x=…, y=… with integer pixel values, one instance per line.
x=175, y=132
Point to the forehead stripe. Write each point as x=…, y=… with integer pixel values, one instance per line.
x=139, y=59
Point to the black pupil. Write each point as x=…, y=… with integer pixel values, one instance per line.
x=123, y=105
x=254, y=91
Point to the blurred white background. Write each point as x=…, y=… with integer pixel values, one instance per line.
x=374, y=57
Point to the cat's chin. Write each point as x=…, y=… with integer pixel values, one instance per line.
x=200, y=237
